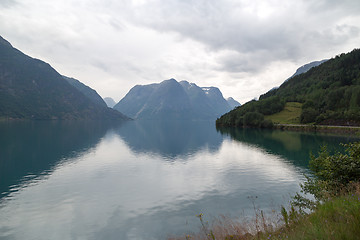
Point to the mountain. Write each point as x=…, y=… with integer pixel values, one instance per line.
x=173, y=100
x=303, y=69
x=307, y=67
x=110, y=102
x=90, y=93
x=233, y=103
x=329, y=95
x=32, y=89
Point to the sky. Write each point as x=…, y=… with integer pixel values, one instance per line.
x=243, y=47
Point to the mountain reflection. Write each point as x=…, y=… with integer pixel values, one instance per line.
x=170, y=139
x=29, y=148
x=293, y=146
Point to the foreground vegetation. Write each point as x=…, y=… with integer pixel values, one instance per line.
x=333, y=211
x=329, y=94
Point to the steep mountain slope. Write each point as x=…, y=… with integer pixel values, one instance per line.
x=109, y=102
x=32, y=89
x=173, y=100
x=87, y=91
x=330, y=94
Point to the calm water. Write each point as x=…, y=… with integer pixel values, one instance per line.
x=62, y=180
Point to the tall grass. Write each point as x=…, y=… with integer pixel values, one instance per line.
x=338, y=218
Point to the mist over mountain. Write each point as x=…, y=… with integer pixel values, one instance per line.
x=109, y=102
x=32, y=89
x=171, y=99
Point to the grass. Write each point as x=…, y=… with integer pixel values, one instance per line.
x=338, y=218
x=290, y=114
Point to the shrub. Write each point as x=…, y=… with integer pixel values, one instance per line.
x=332, y=175
x=253, y=119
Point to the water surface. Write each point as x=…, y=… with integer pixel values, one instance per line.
x=141, y=180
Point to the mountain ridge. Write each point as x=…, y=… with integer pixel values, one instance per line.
x=174, y=100
x=32, y=89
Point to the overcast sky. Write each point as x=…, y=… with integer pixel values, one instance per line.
x=244, y=47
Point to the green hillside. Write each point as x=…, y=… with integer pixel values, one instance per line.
x=329, y=94
x=289, y=115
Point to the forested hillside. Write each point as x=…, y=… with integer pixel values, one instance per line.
x=329, y=93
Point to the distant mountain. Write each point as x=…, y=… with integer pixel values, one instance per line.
x=307, y=67
x=87, y=91
x=32, y=89
x=110, y=102
x=233, y=103
x=173, y=100
x=329, y=95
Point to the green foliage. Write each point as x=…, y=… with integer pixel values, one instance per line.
x=253, y=119
x=331, y=175
x=252, y=113
x=330, y=92
x=289, y=115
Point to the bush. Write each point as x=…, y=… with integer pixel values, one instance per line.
x=308, y=115
x=332, y=175
x=253, y=119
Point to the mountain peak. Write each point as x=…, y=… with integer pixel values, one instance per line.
x=173, y=100
x=109, y=102
x=307, y=67
x=4, y=42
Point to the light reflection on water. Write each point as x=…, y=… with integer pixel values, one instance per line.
x=142, y=181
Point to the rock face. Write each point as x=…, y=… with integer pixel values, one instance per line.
x=32, y=89
x=110, y=102
x=173, y=100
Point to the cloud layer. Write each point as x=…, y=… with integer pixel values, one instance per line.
x=243, y=47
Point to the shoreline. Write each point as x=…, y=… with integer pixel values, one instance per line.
x=318, y=128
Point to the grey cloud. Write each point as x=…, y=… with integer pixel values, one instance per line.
x=227, y=25
x=8, y=3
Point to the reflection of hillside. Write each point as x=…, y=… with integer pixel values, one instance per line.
x=294, y=146
x=170, y=138
x=33, y=147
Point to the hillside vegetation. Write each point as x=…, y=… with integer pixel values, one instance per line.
x=289, y=115
x=329, y=94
